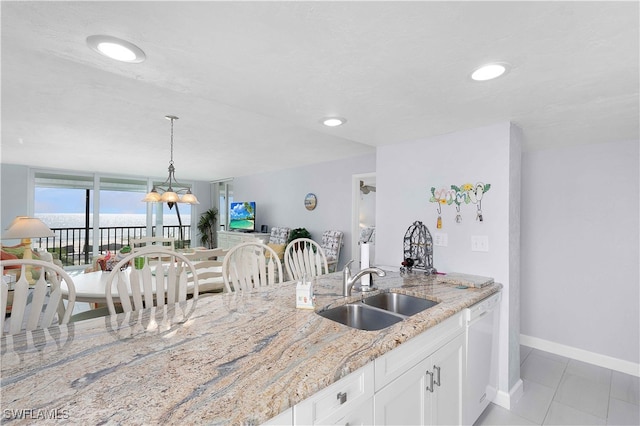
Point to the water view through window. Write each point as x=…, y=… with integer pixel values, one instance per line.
x=122, y=217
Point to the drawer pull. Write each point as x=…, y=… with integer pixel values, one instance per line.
x=437, y=381
x=430, y=387
x=342, y=397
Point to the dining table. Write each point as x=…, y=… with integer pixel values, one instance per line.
x=91, y=287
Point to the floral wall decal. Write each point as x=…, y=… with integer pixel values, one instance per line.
x=465, y=193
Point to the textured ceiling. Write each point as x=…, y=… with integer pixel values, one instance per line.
x=251, y=80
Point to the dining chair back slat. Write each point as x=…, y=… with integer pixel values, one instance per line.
x=4, y=295
x=304, y=256
x=37, y=305
x=18, y=309
x=246, y=266
x=161, y=280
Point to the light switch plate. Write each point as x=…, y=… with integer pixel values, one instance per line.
x=440, y=239
x=479, y=243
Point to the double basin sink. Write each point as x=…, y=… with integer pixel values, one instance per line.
x=377, y=312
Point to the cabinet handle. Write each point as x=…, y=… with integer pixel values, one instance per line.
x=430, y=387
x=342, y=397
x=437, y=369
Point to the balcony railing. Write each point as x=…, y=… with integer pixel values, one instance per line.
x=74, y=246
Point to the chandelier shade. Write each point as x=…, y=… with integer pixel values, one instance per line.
x=165, y=192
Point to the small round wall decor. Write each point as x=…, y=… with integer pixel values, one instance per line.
x=310, y=201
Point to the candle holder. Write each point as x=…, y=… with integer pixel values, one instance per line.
x=418, y=249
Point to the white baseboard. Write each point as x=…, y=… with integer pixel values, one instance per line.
x=505, y=400
x=605, y=361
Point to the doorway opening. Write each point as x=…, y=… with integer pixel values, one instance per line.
x=363, y=220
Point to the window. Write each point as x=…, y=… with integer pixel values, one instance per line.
x=66, y=203
x=224, y=196
x=63, y=203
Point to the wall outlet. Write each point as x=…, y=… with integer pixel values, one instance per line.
x=479, y=243
x=440, y=239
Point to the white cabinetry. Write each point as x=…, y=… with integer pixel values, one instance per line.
x=228, y=239
x=349, y=400
x=394, y=363
x=421, y=382
x=429, y=392
x=447, y=390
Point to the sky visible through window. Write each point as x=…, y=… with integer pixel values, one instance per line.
x=65, y=201
x=62, y=200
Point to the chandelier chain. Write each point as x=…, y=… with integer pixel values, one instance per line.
x=171, y=118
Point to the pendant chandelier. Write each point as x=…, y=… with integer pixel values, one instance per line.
x=165, y=192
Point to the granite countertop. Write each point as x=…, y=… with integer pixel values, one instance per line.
x=225, y=358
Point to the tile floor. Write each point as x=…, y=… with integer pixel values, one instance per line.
x=563, y=391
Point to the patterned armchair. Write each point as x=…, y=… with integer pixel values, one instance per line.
x=368, y=235
x=278, y=240
x=331, y=243
x=279, y=235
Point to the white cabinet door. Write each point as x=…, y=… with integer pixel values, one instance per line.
x=447, y=366
x=428, y=393
x=404, y=401
x=420, y=384
x=394, y=363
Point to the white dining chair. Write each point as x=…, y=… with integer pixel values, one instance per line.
x=162, y=279
x=246, y=266
x=39, y=305
x=303, y=256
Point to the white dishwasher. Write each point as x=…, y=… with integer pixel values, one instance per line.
x=482, y=324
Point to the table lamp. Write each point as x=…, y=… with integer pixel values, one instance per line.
x=25, y=228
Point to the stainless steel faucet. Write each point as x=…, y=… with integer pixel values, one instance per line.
x=348, y=281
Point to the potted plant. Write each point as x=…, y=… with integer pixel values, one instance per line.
x=206, y=227
x=296, y=233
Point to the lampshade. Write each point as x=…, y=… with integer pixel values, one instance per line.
x=189, y=198
x=24, y=227
x=152, y=197
x=170, y=197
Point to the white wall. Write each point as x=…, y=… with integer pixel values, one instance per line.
x=14, y=195
x=580, y=279
x=404, y=175
x=279, y=197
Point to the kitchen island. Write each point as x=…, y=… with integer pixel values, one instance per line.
x=238, y=358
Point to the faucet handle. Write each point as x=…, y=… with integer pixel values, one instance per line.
x=347, y=269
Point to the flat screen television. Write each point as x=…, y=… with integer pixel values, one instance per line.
x=242, y=216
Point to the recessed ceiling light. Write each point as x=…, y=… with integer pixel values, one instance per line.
x=489, y=72
x=115, y=48
x=333, y=121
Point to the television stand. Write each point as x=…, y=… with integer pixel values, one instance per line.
x=228, y=239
